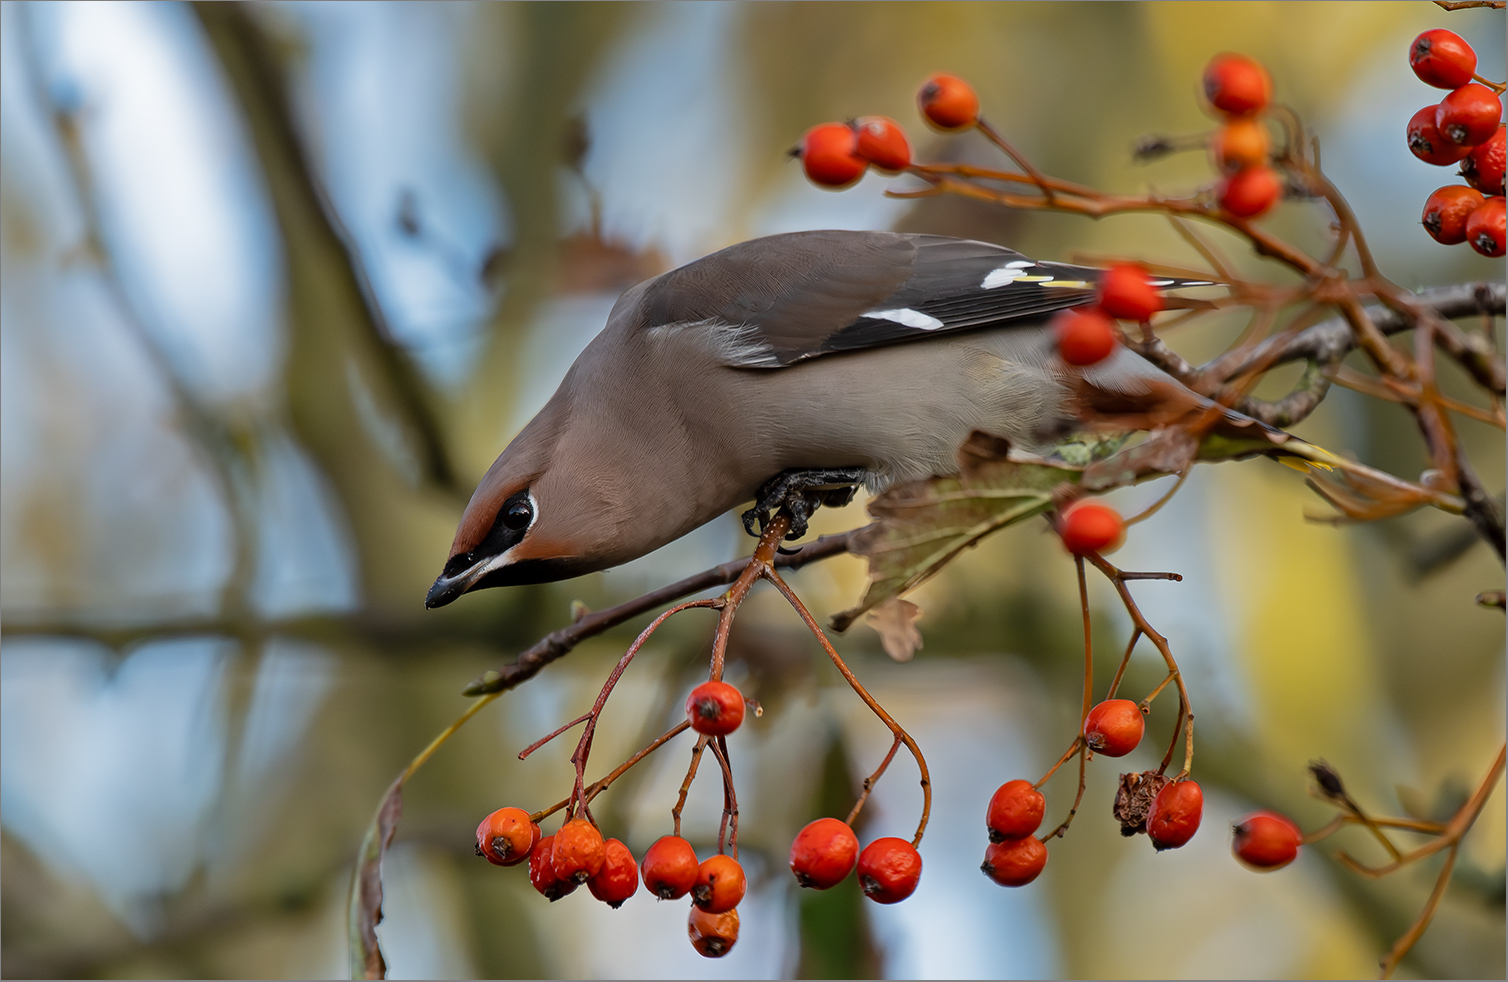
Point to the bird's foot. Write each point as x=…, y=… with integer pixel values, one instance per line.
x=802, y=492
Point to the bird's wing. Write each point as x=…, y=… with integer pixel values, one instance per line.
x=775, y=301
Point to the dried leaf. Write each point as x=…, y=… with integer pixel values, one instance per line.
x=365, y=910
x=894, y=621
x=1133, y=800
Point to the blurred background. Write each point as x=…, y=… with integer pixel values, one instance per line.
x=280, y=281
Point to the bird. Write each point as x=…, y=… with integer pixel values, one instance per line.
x=792, y=369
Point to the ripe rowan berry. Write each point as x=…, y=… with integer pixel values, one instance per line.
x=1014, y=862
x=1469, y=115
x=1483, y=167
x=948, y=102
x=1241, y=142
x=1175, y=814
x=1084, y=335
x=1126, y=291
x=1446, y=211
x=715, y=708
x=827, y=153
x=712, y=935
x=1266, y=841
x=720, y=884
x=823, y=853
x=1249, y=192
x=670, y=868
x=506, y=837
x=1484, y=228
x=889, y=870
x=1114, y=727
x=1443, y=59
x=1092, y=527
x=882, y=142
x=542, y=871
x=1237, y=84
x=1426, y=142
x=578, y=851
x=1015, y=811
x=618, y=879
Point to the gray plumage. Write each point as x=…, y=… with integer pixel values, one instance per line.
x=826, y=349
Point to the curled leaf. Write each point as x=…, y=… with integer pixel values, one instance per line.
x=365, y=910
x=894, y=620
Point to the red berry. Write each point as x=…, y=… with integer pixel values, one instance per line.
x=948, y=102
x=578, y=851
x=1084, y=335
x=1469, y=115
x=1266, y=841
x=715, y=708
x=1014, y=862
x=1237, y=84
x=506, y=837
x=712, y=935
x=827, y=153
x=1442, y=59
x=1175, y=814
x=882, y=142
x=889, y=870
x=1092, y=527
x=720, y=884
x=1483, y=167
x=1015, y=811
x=1126, y=291
x=670, y=868
x=824, y=853
x=1426, y=143
x=618, y=879
x=542, y=871
x=1484, y=228
x=1446, y=211
x=1249, y=192
x=1114, y=727
x=1241, y=142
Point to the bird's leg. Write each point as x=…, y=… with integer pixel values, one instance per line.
x=802, y=492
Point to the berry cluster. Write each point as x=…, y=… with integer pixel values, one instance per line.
x=1238, y=90
x=1464, y=128
x=827, y=850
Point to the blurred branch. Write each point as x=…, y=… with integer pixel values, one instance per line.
x=317, y=242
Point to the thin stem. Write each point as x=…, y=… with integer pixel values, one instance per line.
x=601, y=785
x=1041, y=182
x=1063, y=828
x=727, y=832
x=696, y=761
x=1156, y=506
x=1120, y=672
x=1147, y=702
x=1085, y=701
x=1073, y=748
x=1416, y=930
x=870, y=781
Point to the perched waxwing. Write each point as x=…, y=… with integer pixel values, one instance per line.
x=788, y=368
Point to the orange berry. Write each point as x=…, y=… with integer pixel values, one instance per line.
x=578, y=851
x=1175, y=814
x=1015, y=811
x=1427, y=143
x=1114, y=727
x=670, y=868
x=1484, y=228
x=1126, y=291
x=1084, y=335
x=1469, y=115
x=1014, y=862
x=1266, y=841
x=882, y=142
x=1483, y=167
x=1442, y=59
x=720, y=884
x=1092, y=527
x=1236, y=84
x=823, y=853
x=715, y=708
x=1249, y=192
x=542, y=871
x=1446, y=212
x=712, y=935
x=1241, y=142
x=618, y=879
x=889, y=870
x=506, y=837
x=828, y=156
x=948, y=102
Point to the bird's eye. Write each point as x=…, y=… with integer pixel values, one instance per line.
x=518, y=515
